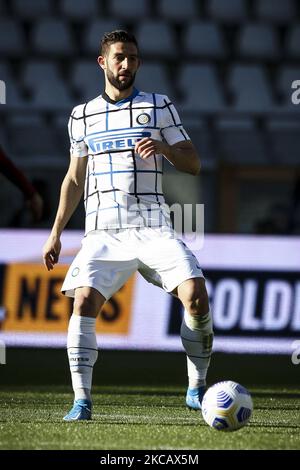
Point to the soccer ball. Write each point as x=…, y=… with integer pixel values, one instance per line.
x=227, y=406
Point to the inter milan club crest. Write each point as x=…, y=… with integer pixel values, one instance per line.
x=143, y=119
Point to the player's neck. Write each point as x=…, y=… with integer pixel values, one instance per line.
x=117, y=95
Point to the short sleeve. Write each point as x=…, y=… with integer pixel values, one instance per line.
x=171, y=128
x=78, y=147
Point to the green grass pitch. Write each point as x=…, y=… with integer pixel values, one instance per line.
x=142, y=418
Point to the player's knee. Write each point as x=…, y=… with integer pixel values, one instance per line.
x=195, y=299
x=84, y=305
x=198, y=305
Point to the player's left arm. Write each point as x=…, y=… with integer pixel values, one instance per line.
x=183, y=155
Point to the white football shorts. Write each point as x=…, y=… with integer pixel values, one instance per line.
x=108, y=258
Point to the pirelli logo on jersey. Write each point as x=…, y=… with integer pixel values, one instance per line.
x=101, y=143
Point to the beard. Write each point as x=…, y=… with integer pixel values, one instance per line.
x=120, y=85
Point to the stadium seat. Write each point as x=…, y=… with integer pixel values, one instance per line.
x=38, y=71
x=177, y=10
x=156, y=38
x=250, y=88
x=240, y=142
x=13, y=92
x=12, y=38
x=131, y=11
x=52, y=37
x=282, y=12
x=292, y=42
x=56, y=96
x=284, y=140
x=81, y=10
x=258, y=41
x=152, y=77
x=45, y=85
x=3, y=9
x=87, y=79
x=14, y=96
x=202, y=137
x=204, y=39
x=94, y=32
x=32, y=9
x=201, y=89
x=231, y=11
x=60, y=127
x=5, y=71
x=285, y=76
x=29, y=135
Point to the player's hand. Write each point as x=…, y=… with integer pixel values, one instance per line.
x=148, y=147
x=51, y=252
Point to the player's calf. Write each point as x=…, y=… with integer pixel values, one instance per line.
x=197, y=339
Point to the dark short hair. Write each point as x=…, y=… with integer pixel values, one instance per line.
x=116, y=36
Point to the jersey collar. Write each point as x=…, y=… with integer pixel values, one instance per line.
x=120, y=102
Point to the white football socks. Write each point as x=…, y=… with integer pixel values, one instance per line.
x=197, y=338
x=82, y=354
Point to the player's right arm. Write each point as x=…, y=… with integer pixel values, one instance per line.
x=70, y=195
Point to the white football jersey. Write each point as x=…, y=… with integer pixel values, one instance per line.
x=121, y=189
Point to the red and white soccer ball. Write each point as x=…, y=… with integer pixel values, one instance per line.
x=227, y=406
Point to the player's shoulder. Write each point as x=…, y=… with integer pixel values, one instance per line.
x=77, y=111
x=84, y=109
x=159, y=99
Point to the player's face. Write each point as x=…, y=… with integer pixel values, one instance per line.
x=121, y=64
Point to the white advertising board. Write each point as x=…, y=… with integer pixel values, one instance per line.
x=253, y=285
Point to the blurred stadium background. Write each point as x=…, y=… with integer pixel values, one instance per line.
x=229, y=66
